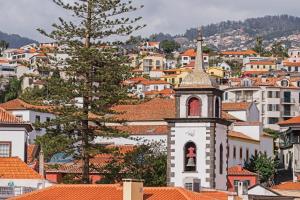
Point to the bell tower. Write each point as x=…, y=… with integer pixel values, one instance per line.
x=197, y=142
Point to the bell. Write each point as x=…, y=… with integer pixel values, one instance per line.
x=191, y=163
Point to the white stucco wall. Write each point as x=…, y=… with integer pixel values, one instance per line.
x=134, y=140
x=251, y=131
x=258, y=190
x=221, y=138
x=30, y=116
x=240, y=114
x=237, y=143
x=17, y=137
x=183, y=133
x=33, y=183
x=267, y=145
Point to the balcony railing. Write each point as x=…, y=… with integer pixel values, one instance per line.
x=288, y=114
x=7, y=192
x=288, y=100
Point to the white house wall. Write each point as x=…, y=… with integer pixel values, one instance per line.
x=251, y=131
x=17, y=137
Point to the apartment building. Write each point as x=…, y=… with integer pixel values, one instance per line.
x=189, y=56
x=277, y=99
x=148, y=62
x=260, y=66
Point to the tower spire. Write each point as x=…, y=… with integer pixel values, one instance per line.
x=199, y=66
x=198, y=77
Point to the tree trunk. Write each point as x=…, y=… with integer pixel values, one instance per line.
x=86, y=103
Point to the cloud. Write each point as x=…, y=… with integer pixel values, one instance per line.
x=168, y=16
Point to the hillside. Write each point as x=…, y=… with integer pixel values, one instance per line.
x=229, y=34
x=14, y=40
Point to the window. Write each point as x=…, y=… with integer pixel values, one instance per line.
x=234, y=152
x=284, y=83
x=296, y=69
x=241, y=153
x=217, y=108
x=188, y=186
x=255, y=152
x=273, y=107
x=173, y=80
x=37, y=119
x=19, y=117
x=5, y=149
x=298, y=83
x=185, y=58
x=247, y=154
x=157, y=62
x=180, y=80
x=221, y=160
x=289, y=69
x=264, y=66
x=273, y=120
x=155, y=87
x=273, y=94
x=48, y=119
x=190, y=153
x=194, y=107
x=251, y=66
x=226, y=95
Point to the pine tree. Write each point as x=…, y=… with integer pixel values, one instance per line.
x=94, y=72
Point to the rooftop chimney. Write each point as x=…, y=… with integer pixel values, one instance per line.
x=41, y=163
x=132, y=189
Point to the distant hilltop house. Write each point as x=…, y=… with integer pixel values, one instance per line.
x=189, y=56
x=230, y=55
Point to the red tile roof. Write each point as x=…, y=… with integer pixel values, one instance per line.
x=153, y=82
x=18, y=104
x=247, y=123
x=31, y=152
x=240, y=171
x=7, y=118
x=191, y=53
x=261, y=63
x=145, y=129
x=240, y=135
x=291, y=64
x=15, y=168
x=165, y=92
x=294, y=120
x=247, y=52
x=154, y=109
x=236, y=106
x=115, y=192
x=288, y=186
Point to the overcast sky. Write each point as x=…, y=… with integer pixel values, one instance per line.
x=167, y=16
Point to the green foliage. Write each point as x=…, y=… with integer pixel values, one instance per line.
x=278, y=50
x=169, y=46
x=264, y=166
x=3, y=45
x=272, y=132
x=12, y=90
x=147, y=162
x=236, y=67
x=94, y=72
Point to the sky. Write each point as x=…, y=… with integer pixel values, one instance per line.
x=23, y=17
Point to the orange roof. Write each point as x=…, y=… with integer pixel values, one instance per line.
x=261, y=63
x=294, y=120
x=15, y=168
x=18, y=104
x=247, y=52
x=240, y=135
x=291, y=64
x=153, y=82
x=154, y=109
x=145, y=129
x=7, y=118
x=165, y=92
x=235, y=106
x=115, y=192
x=153, y=43
x=31, y=152
x=229, y=117
x=247, y=123
x=191, y=53
x=288, y=186
x=240, y=171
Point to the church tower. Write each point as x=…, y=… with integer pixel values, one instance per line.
x=197, y=142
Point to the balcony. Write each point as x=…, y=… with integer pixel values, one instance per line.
x=288, y=114
x=8, y=192
x=288, y=101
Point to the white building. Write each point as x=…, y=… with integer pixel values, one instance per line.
x=30, y=114
x=17, y=178
x=244, y=111
x=13, y=136
x=277, y=99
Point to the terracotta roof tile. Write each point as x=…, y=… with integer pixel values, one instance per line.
x=18, y=104
x=240, y=135
x=7, y=118
x=153, y=82
x=247, y=52
x=291, y=64
x=15, y=168
x=191, y=53
x=31, y=152
x=294, y=120
x=261, y=63
x=236, y=106
x=165, y=92
x=247, y=123
x=288, y=186
x=240, y=171
x=115, y=192
x=145, y=129
x=155, y=109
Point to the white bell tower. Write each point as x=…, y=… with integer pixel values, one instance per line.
x=197, y=142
